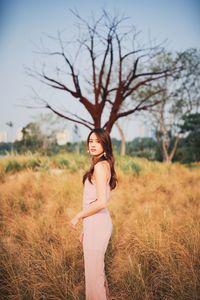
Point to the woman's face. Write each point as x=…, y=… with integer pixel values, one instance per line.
x=94, y=145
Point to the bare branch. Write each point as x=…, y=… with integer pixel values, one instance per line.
x=78, y=117
x=142, y=83
x=58, y=85
x=108, y=77
x=120, y=59
x=139, y=107
x=66, y=117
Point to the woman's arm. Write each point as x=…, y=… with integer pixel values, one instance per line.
x=100, y=176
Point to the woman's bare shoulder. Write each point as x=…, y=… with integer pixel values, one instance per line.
x=103, y=166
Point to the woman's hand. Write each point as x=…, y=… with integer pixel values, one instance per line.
x=74, y=221
x=81, y=237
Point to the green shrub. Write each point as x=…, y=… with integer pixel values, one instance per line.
x=128, y=165
x=136, y=168
x=43, y=164
x=62, y=163
x=33, y=163
x=13, y=166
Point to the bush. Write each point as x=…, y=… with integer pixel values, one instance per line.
x=13, y=166
x=128, y=165
x=33, y=163
x=136, y=168
x=62, y=163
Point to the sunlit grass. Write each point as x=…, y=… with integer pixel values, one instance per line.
x=154, y=252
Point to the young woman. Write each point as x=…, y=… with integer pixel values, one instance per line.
x=98, y=181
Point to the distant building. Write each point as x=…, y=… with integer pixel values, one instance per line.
x=145, y=131
x=62, y=137
x=141, y=131
x=19, y=135
x=3, y=137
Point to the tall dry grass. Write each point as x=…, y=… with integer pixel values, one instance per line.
x=154, y=252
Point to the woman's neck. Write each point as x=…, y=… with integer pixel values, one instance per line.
x=95, y=158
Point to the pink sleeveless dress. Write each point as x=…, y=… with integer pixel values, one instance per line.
x=97, y=231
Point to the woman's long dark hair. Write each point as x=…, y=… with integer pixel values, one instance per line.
x=105, y=141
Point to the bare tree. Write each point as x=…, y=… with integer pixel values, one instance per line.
x=117, y=66
x=180, y=97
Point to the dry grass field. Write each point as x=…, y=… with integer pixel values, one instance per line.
x=154, y=252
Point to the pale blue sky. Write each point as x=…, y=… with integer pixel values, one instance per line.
x=23, y=23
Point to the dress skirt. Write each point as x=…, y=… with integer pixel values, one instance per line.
x=97, y=231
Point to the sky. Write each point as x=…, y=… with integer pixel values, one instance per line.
x=24, y=23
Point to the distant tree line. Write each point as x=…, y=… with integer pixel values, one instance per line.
x=36, y=141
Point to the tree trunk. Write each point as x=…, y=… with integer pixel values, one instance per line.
x=163, y=130
x=174, y=148
x=123, y=140
x=167, y=157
